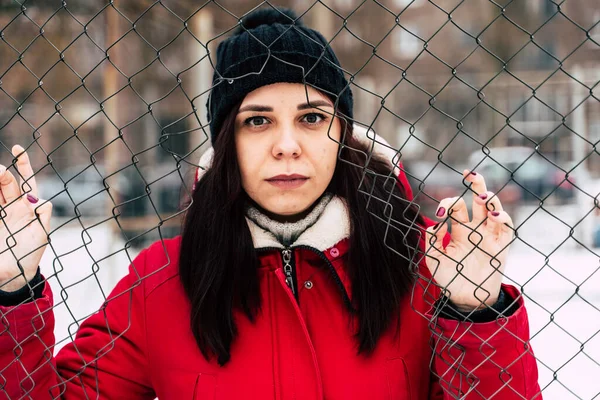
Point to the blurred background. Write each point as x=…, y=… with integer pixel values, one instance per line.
x=109, y=100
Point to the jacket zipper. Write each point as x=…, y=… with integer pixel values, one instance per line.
x=291, y=279
x=289, y=269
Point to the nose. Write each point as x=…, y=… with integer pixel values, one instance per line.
x=286, y=144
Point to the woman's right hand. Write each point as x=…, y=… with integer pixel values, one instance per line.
x=21, y=231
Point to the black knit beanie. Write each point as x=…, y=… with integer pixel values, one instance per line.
x=272, y=46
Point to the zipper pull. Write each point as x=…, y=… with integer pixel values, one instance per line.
x=288, y=270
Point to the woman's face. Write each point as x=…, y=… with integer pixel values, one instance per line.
x=286, y=149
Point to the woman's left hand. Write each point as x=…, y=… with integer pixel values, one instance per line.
x=471, y=267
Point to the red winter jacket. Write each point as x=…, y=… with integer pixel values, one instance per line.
x=140, y=346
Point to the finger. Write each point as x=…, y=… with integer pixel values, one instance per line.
x=456, y=209
x=25, y=170
x=44, y=211
x=478, y=187
x=499, y=223
x=484, y=203
x=8, y=185
x=434, y=235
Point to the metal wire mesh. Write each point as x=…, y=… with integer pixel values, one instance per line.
x=108, y=99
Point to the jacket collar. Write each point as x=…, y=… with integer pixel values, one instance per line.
x=332, y=227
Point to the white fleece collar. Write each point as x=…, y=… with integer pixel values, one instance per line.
x=331, y=227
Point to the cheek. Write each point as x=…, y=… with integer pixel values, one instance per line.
x=249, y=161
x=329, y=157
x=244, y=163
x=330, y=148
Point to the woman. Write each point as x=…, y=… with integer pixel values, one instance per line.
x=301, y=272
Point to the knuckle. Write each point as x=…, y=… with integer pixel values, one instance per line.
x=457, y=202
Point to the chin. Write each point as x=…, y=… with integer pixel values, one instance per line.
x=286, y=209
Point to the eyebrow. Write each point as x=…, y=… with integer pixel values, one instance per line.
x=304, y=106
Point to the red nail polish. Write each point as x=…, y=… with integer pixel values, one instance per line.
x=440, y=212
x=436, y=226
x=32, y=198
x=483, y=196
x=495, y=213
x=473, y=173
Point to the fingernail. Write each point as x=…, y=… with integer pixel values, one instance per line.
x=483, y=196
x=436, y=226
x=495, y=213
x=440, y=212
x=473, y=173
x=32, y=198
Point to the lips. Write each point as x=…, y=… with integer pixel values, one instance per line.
x=292, y=177
x=288, y=182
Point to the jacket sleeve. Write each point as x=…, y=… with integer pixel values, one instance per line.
x=107, y=359
x=478, y=360
x=23, y=295
x=486, y=360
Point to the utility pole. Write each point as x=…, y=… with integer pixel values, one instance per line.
x=110, y=84
x=578, y=149
x=203, y=25
x=111, y=109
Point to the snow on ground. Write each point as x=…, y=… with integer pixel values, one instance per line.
x=561, y=281
x=559, y=278
x=82, y=266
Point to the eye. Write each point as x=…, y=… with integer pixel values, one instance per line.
x=255, y=121
x=314, y=118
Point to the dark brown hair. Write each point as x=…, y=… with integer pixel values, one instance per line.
x=218, y=263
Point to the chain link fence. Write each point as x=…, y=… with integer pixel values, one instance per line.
x=108, y=98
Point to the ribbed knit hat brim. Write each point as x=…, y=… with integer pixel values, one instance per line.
x=283, y=50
